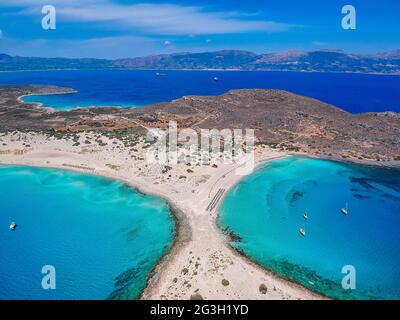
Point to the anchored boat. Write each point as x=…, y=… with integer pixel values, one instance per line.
x=13, y=225
x=345, y=210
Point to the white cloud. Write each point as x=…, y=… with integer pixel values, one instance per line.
x=163, y=19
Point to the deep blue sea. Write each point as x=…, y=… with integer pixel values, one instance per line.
x=355, y=93
x=102, y=237
x=266, y=210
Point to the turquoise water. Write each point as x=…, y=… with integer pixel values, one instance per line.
x=266, y=211
x=102, y=237
x=355, y=93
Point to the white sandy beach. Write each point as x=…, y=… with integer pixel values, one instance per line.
x=200, y=260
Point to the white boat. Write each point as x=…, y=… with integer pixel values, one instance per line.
x=216, y=79
x=345, y=210
x=13, y=225
x=305, y=215
x=303, y=232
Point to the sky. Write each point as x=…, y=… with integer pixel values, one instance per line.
x=129, y=28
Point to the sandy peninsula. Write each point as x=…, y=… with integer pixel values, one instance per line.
x=201, y=257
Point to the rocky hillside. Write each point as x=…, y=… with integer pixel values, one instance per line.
x=280, y=119
x=310, y=61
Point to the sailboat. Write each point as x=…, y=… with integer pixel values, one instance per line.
x=303, y=230
x=345, y=210
x=13, y=225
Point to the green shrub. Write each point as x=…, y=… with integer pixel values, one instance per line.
x=185, y=270
x=263, y=288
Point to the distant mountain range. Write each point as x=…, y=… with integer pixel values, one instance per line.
x=307, y=61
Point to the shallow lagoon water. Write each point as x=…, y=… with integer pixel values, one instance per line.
x=266, y=210
x=102, y=237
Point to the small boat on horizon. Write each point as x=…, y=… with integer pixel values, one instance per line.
x=13, y=225
x=305, y=215
x=216, y=79
x=158, y=74
x=303, y=232
x=345, y=210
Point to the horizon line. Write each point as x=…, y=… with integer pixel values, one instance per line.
x=213, y=51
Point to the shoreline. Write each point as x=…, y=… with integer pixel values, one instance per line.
x=242, y=254
x=182, y=235
x=259, y=164
x=197, y=237
x=388, y=165
x=185, y=238
x=40, y=104
x=182, y=230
